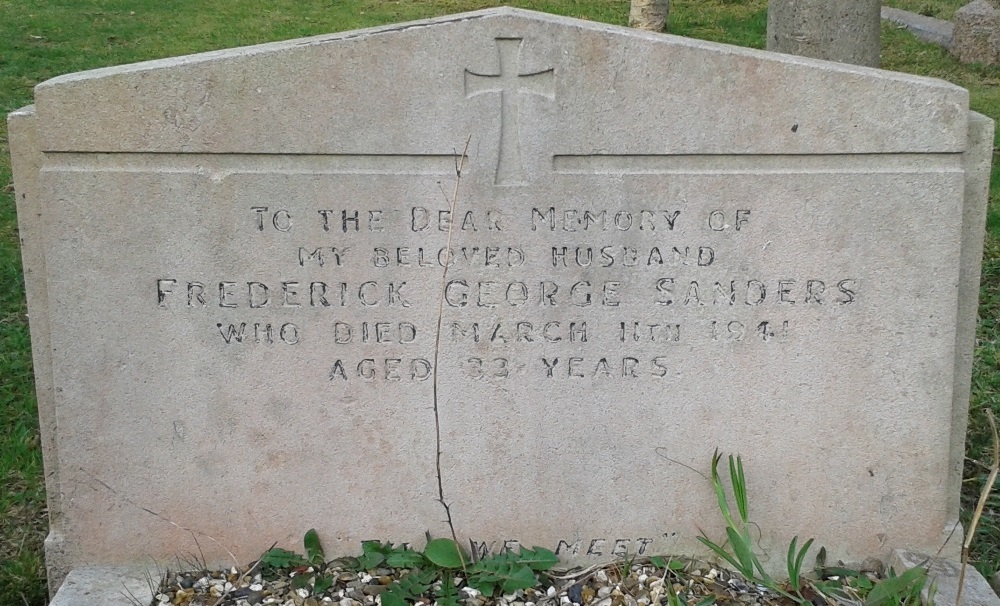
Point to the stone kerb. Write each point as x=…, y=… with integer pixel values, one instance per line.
x=234, y=264
x=928, y=29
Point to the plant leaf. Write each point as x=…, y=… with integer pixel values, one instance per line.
x=538, y=558
x=349, y=563
x=407, y=558
x=484, y=587
x=322, y=584
x=892, y=590
x=821, y=557
x=392, y=598
x=800, y=558
x=370, y=560
x=314, y=550
x=672, y=598
x=790, y=563
x=445, y=553
x=277, y=557
x=741, y=549
x=448, y=594
x=864, y=583
x=720, y=492
x=372, y=555
x=722, y=553
x=408, y=588
x=794, y=563
x=739, y=488
x=369, y=547
x=510, y=570
x=520, y=578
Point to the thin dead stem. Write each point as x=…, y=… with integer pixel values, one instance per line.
x=194, y=533
x=660, y=450
x=947, y=539
x=983, y=496
x=254, y=566
x=154, y=587
x=127, y=594
x=459, y=165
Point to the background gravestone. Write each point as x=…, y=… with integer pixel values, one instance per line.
x=848, y=31
x=234, y=269
x=976, y=37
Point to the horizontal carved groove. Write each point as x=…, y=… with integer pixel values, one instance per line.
x=224, y=164
x=621, y=164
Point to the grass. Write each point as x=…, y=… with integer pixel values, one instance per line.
x=40, y=39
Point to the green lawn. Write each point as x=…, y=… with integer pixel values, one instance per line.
x=40, y=39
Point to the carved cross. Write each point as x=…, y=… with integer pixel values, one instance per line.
x=510, y=83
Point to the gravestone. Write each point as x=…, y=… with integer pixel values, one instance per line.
x=235, y=267
x=976, y=37
x=848, y=30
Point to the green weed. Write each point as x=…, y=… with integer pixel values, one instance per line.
x=437, y=566
x=904, y=590
x=741, y=555
x=794, y=564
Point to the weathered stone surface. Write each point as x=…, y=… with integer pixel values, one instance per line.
x=976, y=591
x=995, y=582
x=106, y=586
x=848, y=31
x=238, y=271
x=928, y=29
x=976, y=37
x=977, y=161
x=23, y=136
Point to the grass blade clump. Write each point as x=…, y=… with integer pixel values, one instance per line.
x=742, y=558
x=794, y=563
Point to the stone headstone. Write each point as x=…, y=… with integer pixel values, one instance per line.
x=235, y=271
x=976, y=35
x=848, y=31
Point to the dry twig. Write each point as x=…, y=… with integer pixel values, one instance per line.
x=987, y=489
x=459, y=165
x=194, y=533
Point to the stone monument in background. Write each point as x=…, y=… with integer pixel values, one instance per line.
x=976, y=37
x=847, y=31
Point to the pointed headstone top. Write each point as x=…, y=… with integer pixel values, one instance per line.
x=413, y=89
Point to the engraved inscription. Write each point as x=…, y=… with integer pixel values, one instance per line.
x=617, y=547
x=510, y=83
x=558, y=295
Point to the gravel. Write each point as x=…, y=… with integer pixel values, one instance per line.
x=635, y=583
